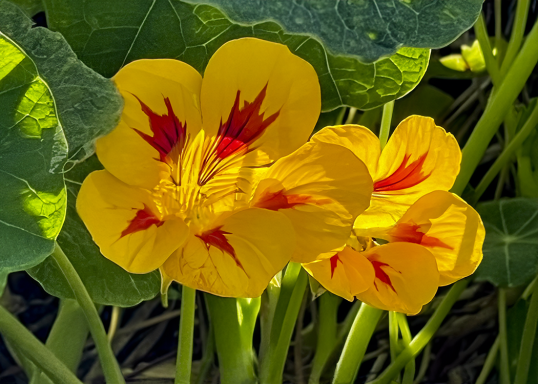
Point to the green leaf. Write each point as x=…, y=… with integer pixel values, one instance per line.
x=107, y=35
x=106, y=282
x=88, y=105
x=515, y=319
x=367, y=29
x=511, y=245
x=29, y=7
x=32, y=153
x=426, y=100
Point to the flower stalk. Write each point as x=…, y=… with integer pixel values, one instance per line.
x=185, y=338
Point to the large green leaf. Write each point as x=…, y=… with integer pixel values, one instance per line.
x=88, y=105
x=107, y=35
x=367, y=29
x=511, y=246
x=33, y=151
x=107, y=283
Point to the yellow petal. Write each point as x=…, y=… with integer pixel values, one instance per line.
x=346, y=274
x=450, y=228
x=321, y=188
x=126, y=225
x=236, y=256
x=419, y=158
x=279, y=90
x=406, y=277
x=161, y=107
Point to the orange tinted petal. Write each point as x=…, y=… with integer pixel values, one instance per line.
x=346, y=274
x=236, y=256
x=161, y=110
x=406, y=277
x=126, y=225
x=259, y=94
x=450, y=228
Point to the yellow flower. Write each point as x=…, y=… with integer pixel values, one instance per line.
x=208, y=179
x=416, y=235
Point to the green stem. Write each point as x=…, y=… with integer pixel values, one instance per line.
x=385, y=123
x=393, y=335
x=328, y=308
x=482, y=36
x=291, y=295
x=269, y=301
x=505, y=365
x=489, y=363
x=66, y=338
x=409, y=372
x=355, y=347
x=34, y=350
x=527, y=340
x=425, y=334
x=425, y=362
x=207, y=358
x=506, y=154
x=518, y=30
x=498, y=106
x=110, y=366
x=236, y=362
x=185, y=337
x=498, y=20
x=114, y=322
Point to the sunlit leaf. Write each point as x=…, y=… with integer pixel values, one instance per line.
x=88, y=105
x=368, y=29
x=511, y=245
x=107, y=35
x=107, y=283
x=33, y=151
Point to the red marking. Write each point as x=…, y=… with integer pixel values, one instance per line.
x=143, y=220
x=406, y=176
x=381, y=274
x=410, y=233
x=169, y=134
x=278, y=200
x=215, y=237
x=334, y=262
x=244, y=125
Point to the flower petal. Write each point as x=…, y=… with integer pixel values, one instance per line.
x=419, y=158
x=346, y=274
x=450, y=228
x=236, y=257
x=257, y=94
x=321, y=188
x=161, y=111
x=406, y=277
x=126, y=225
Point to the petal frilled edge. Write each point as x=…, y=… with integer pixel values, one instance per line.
x=236, y=256
x=162, y=109
x=406, y=278
x=258, y=93
x=321, y=188
x=346, y=273
x=126, y=225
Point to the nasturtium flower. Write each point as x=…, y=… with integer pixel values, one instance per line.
x=212, y=180
x=416, y=236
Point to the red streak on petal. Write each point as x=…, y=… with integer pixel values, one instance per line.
x=334, y=263
x=406, y=176
x=244, y=125
x=143, y=220
x=410, y=233
x=381, y=274
x=215, y=238
x=169, y=134
x=278, y=200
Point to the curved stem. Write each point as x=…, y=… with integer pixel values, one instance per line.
x=505, y=365
x=482, y=36
x=409, y=372
x=114, y=322
x=185, y=337
x=355, y=347
x=498, y=106
x=527, y=340
x=34, y=350
x=518, y=30
x=506, y=154
x=424, y=336
x=108, y=361
x=489, y=363
x=385, y=123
